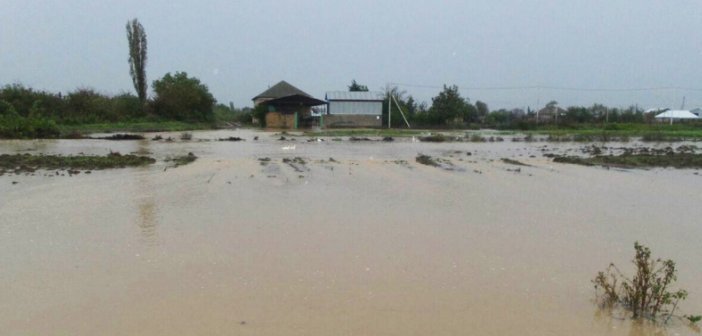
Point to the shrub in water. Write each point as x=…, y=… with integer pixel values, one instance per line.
x=648, y=293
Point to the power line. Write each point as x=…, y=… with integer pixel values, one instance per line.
x=548, y=87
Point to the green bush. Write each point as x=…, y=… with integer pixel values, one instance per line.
x=88, y=106
x=26, y=101
x=81, y=106
x=17, y=127
x=6, y=109
x=127, y=106
x=182, y=98
x=259, y=112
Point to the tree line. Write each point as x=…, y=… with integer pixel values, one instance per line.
x=176, y=97
x=448, y=109
x=29, y=113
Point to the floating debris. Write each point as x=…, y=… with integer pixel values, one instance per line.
x=514, y=162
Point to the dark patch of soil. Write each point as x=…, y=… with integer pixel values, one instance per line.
x=359, y=139
x=233, y=139
x=121, y=137
x=434, y=138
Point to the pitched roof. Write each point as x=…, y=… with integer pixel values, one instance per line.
x=677, y=114
x=282, y=89
x=296, y=99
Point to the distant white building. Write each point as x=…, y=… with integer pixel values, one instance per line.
x=676, y=115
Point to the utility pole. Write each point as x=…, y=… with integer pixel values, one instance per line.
x=606, y=115
x=389, y=108
x=399, y=108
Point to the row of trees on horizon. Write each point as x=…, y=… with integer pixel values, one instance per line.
x=177, y=96
x=450, y=109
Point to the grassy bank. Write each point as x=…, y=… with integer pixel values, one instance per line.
x=146, y=126
x=18, y=163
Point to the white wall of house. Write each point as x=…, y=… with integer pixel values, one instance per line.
x=356, y=107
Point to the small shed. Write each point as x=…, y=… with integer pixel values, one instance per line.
x=354, y=109
x=288, y=106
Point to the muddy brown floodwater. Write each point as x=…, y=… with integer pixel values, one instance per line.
x=356, y=238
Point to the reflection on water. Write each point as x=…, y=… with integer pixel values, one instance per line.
x=619, y=319
x=146, y=202
x=147, y=221
x=143, y=147
x=646, y=328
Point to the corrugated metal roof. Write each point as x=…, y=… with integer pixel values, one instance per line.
x=355, y=95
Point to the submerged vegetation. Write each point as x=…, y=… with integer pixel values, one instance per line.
x=18, y=163
x=182, y=159
x=648, y=293
x=426, y=160
x=637, y=160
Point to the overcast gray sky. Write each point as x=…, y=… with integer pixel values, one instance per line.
x=239, y=48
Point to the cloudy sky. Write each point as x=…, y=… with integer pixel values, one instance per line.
x=508, y=53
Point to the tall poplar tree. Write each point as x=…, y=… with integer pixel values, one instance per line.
x=137, y=57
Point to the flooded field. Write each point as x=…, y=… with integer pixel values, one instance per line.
x=283, y=237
